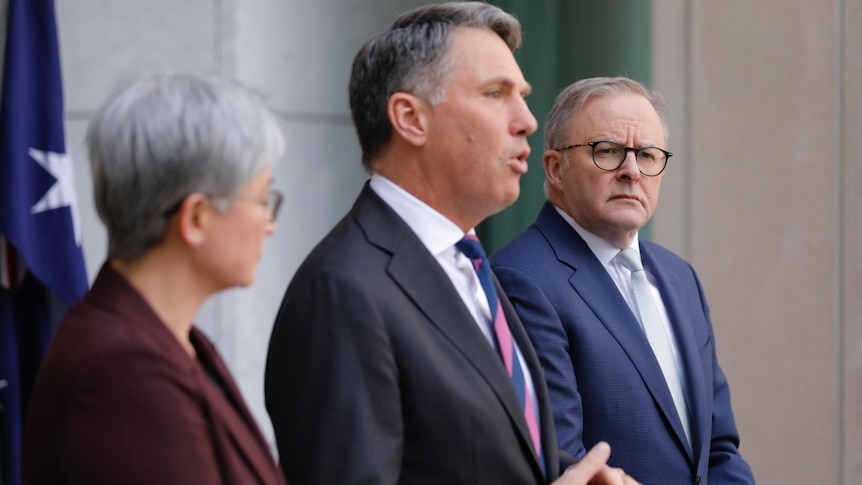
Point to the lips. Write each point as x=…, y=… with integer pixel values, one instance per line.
x=519, y=161
x=631, y=197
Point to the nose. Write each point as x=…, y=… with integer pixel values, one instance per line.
x=524, y=123
x=629, y=169
x=270, y=228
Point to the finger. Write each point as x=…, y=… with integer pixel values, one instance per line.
x=591, y=463
x=631, y=481
x=626, y=480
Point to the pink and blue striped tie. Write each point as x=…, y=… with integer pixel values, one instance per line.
x=472, y=248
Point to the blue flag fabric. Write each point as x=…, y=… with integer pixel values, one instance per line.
x=38, y=213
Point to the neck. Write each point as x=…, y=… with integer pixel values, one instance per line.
x=421, y=188
x=169, y=288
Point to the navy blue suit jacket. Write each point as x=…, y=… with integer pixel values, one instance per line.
x=604, y=380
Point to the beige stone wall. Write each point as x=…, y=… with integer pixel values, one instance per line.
x=850, y=100
x=763, y=198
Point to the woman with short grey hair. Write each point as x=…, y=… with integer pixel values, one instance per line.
x=130, y=391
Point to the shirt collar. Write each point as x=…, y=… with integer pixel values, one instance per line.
x=435, y=231
x=604, y=251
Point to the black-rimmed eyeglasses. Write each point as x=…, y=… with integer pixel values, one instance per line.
x=271, y=201
x=609, y=156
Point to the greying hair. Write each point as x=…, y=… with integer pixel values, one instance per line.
x=410, y=57
x=163, y=138
x=572, y=100
x=575, y=96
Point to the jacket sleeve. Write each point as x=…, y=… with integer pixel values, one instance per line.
x=332, y=387
x=552, y=346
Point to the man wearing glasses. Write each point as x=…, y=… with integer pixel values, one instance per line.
x=621, y=326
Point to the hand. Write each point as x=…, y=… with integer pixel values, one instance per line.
x=593, y=470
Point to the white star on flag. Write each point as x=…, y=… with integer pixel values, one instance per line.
x=62, y=193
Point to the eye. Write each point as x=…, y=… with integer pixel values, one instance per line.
x=650, y=154
x=608, y=149
x=646, y=155
x=496, y=94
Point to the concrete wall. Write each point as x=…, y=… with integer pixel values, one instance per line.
x=763, y=198
x=298, y=54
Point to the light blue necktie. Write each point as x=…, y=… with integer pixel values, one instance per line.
x=655, y=333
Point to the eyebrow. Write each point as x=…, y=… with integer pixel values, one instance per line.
x=507, y=82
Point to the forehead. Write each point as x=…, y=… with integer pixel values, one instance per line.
x=621, y=115
x=480, y=54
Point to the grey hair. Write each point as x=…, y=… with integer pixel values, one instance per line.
x=410, y=57
x=573, y=98
x=163, y=138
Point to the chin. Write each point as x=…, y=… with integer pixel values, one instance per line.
x=511, y=197
x=245, y=281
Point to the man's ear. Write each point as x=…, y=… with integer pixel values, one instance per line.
x=192, y=219
x=409, y=117
x=553, y=162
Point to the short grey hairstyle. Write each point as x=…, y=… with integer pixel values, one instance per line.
x=411, y=57
x=573, y=98
x=163, y=138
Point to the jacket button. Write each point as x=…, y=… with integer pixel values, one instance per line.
x=698, y=480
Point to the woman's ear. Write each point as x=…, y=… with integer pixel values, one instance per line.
x=192, y=219
x=409, y=117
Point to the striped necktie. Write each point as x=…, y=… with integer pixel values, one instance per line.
x=472, y=248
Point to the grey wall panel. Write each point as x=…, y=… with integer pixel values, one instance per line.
x=106, y=44
x=850, y=100
x=297, y=53
x=300, y=51
x=770, y=204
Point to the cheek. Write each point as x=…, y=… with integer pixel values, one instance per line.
x=253, y=240
x=247, y=243
x=587, y=191
x=651, y=190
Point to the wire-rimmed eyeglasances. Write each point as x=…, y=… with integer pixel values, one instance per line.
x=610, y=155
x=272, y=201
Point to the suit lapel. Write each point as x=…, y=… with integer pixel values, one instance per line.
x=230, y=410
x=420, y=276
x=675, y=302
x=590, y=280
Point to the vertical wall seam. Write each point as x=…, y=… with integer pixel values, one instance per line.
x=840, y=250
x=688, y=176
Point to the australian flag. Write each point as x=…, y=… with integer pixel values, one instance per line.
x=41, y=263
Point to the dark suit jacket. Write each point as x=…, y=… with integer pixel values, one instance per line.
x=604, y=379
x=377, y=372
x=118, y=400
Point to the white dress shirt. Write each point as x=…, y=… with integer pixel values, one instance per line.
x=605, y=252
x=439, y=235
